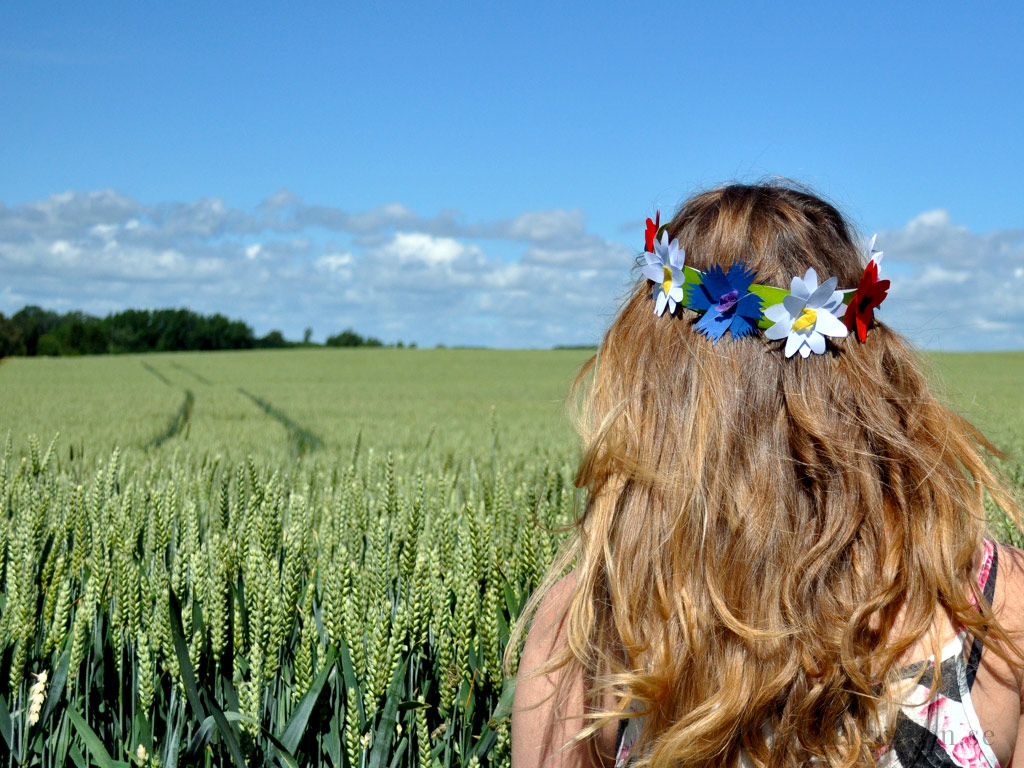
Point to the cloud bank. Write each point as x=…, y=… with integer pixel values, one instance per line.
x=535, y=279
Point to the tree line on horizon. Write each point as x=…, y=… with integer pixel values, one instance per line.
x=33, y=331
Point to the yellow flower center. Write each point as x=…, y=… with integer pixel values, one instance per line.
x=666, y=284
x=806, y=320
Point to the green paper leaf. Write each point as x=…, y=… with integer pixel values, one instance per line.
x=692, y=276
x=769, y=295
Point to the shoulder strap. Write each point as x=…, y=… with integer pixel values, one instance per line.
x=988, y=589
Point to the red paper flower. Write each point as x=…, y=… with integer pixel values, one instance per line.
x=870, y=294
x=652, y=232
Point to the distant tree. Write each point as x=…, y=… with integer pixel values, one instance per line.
x=273, y=340
x=75, y=333
x=178, y=330
x=94, y=338
x=11, y=342
x=347, y=338
x=34, y=322
x=132, y=330
x=82, y=335
x=239, y=336
x=307, y=335
x=48, y=345
x=138, y=330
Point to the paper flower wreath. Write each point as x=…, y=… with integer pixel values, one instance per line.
x=731, y=301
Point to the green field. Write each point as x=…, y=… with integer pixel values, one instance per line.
x=353, y=529
x=989, y=390
x=310, y=557
x=282, y=403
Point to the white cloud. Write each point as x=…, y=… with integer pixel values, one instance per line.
x=533, y=279
x=337, y=266
x=953, y=288
x=409, y=247
x=546, y=225
x=391, y=273
x=929, y=219
x=280, y=199
x=935, y=274
x=64, y=249
x=104, y=231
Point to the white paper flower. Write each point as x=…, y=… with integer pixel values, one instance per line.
x=873, y=255
x=665, y=268
x=807, y=315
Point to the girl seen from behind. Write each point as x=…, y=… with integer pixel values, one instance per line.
x=783, y=527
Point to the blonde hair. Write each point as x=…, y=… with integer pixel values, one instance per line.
x=755, y=525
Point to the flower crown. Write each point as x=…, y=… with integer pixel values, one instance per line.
x=731, y=301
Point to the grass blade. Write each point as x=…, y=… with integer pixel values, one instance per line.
x=297, y=723
x=228, y=734
x=93, y=743
x=504, y=708
x=351, y=683
x=188, y=677
x=388, y=720
x=6, y=728
x=60, y=676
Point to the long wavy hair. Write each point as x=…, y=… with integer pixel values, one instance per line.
x=763, y=538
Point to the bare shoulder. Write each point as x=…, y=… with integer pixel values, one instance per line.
x=547, y=712
x=1009, y=596
x=547, y=631
x=545, y=641
x=1008, y=604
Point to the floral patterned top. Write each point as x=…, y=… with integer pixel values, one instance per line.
x=938, y=732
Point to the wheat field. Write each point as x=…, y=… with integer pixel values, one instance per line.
x=302, y=557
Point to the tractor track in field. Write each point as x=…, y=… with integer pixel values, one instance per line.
x=179, y=422
x=303, y=440
x=194, y=374
x=156, y=373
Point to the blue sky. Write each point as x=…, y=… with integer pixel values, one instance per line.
x=478, y=173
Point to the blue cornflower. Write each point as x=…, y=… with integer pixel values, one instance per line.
x=726, y=302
